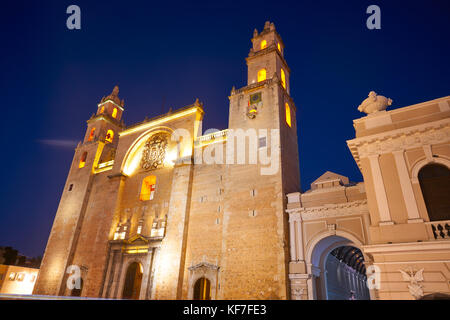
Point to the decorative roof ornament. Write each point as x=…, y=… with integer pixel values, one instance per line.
x=198, y=103
x=374, y=103
x=255, y=33
x=114, y=97
x=267, y=25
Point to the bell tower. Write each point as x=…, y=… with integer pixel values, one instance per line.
x=255, y=255
x=106, y=122
x=266, y=57
x=99, y=145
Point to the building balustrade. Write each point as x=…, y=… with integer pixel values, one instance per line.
x=439, y=229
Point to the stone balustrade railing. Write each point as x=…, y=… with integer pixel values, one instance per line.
x=439, y=229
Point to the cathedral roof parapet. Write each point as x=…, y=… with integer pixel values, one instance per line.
x=198, y=105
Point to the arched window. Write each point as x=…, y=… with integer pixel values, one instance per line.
x=148, y=188
x=91, y=135
x=288, y=114
x=109, y=136
x=263, y=44
x=283, y=79
x=102, y=109
x=114, y=114
x=261, y=75
x=202, y=289
x=279, y=47
x=434, y=182
x=83, y=160
x=77, y=292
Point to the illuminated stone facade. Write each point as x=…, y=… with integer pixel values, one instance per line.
x=219, y=221
x=201, y=217
x=398, y=217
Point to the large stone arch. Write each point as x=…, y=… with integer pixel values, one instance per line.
x=422, y=163
x=418, y=192
x=316, y=254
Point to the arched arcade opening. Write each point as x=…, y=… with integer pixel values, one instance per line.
x=338, y=269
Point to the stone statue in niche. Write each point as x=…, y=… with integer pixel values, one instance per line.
x=154, y=152
x=374, y=103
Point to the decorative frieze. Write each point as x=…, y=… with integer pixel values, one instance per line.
x=400, y=139
x=331, y=210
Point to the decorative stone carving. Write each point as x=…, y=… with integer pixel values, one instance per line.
x=374, y=103
x=154, y=152
x=413, y=137
x=297, y=293
x=415, y=289
x=203, y=265
x=357, y=207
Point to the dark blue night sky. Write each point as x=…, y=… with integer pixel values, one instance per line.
x=165, y=54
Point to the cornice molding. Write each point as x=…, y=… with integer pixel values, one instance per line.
x=357, y=207
x=400, y=139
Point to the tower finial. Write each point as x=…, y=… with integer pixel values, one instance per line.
x=255, y=33
x=114, y=96
x=115, y=91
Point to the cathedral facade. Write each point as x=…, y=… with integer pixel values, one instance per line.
x=158, y=210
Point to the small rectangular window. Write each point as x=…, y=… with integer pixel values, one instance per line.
x=70, y=187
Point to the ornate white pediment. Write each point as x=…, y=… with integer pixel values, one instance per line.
x=203, y=265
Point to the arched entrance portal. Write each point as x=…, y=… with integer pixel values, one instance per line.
x=202, y=289
x=346, y=274
x=133, y=279
x=338, y=269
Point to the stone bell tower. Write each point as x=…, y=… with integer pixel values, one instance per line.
x=254, y=263
x=99, y=143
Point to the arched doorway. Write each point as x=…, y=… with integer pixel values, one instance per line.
x=434, y=182
x=133, y=279
x=202, y=289
x=337, y=266
x=346, y=274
